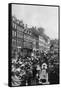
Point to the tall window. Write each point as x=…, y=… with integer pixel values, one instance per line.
x=13, y=33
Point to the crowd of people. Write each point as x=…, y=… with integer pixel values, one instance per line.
x=33, y=71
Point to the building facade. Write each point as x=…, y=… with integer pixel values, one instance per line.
x=17, y=35
x=43, y=44
x=23, y=38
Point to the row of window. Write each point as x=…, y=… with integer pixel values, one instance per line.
x=28, y=44
x=19, y=28
x=20, y=42
x=28, y=31
x=22, y=35
x=19, y=34
x=28, y=41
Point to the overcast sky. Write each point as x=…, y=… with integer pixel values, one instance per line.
x=39, y=16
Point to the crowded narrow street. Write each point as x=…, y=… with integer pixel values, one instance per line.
x=33, y=71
